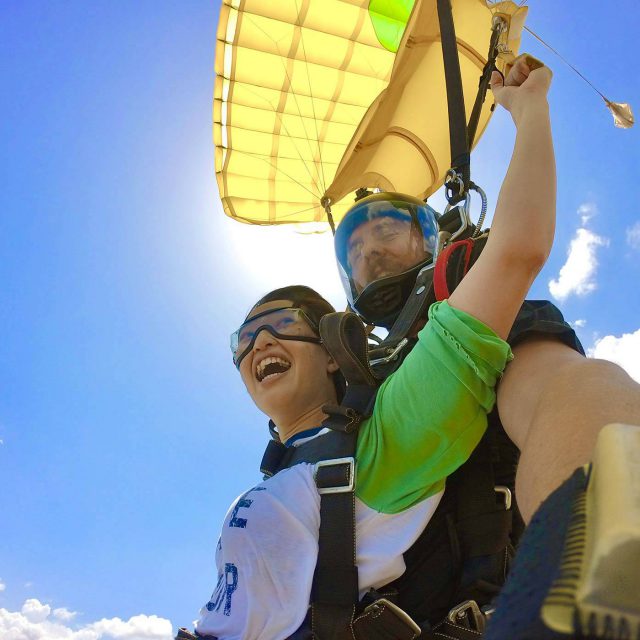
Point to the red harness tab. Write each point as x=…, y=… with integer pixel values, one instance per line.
x=440, y=286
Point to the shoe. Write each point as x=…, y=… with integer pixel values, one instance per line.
x=577, y=570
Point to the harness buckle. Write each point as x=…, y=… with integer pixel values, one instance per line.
x=331, y=477
x=392, y=353
x=468, y=615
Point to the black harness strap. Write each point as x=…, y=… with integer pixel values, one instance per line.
x=335, y=583
x=334, y=595
x=460, y=157
x=414, y=308
x=483, y=521
x=387, y=356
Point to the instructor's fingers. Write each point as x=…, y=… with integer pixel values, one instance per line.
x=518, y=73
x=497, y=80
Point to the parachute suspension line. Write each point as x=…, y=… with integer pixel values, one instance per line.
x=286, y=130
x=498, y=27
x=277, y=168
x=622, y=113
x=295, y=99
x=326, y=203
x=313, y=207
x=313, y=109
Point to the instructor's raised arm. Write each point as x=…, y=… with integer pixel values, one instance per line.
x=524, y=221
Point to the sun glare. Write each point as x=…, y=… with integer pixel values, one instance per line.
x=272, y=257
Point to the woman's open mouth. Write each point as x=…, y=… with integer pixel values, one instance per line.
x=271, y=367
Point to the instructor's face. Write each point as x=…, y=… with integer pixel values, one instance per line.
x=383, y=247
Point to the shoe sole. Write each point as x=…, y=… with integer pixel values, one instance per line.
x=597, y=593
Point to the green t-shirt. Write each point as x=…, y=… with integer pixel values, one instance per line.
x=431, y=413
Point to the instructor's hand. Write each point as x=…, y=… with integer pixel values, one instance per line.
x=526, y=84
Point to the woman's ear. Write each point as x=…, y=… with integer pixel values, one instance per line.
x=332, y=365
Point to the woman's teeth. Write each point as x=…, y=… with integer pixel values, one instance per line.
x=271, y=366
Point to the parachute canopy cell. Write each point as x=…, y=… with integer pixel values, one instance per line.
x=316, y=98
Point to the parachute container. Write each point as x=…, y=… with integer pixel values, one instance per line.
x=316, y=98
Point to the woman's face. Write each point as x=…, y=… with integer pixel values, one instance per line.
x=287, y=378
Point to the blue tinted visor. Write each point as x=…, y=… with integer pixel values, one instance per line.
x=381, y=237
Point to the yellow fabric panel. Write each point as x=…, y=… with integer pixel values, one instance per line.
x=409, y=121
x=305, y=102
x=294, y=79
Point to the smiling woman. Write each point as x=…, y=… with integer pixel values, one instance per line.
x=268, y=548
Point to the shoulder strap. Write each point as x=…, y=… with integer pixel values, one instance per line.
x=334, y=594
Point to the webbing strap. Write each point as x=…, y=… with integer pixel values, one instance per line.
x=440, y=285
x=334, y=593
x=460, y=157
x=419, y=300
x=335, y=582
x=483, y=523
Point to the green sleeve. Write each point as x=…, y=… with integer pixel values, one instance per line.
x=431, y=413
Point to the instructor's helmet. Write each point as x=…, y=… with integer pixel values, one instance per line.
x=381, y=244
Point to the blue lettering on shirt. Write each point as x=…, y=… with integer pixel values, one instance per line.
x=227, y=584
x=243, y=502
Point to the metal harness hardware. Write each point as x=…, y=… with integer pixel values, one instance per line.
x=468, y=615
x=332, y=466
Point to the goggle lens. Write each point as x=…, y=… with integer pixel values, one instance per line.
x=289, y=324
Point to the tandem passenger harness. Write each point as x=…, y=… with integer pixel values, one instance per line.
x=473, y=523
x=477, y=514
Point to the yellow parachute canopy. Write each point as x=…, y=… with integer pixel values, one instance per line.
x=316, y=98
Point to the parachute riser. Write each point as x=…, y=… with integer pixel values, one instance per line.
x=461, y=135
x=498, y=27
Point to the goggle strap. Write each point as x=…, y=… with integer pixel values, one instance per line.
x=275, y=334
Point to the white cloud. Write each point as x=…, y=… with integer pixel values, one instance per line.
x=577, y=275
x=624, y=351
x=34, y=611
x=633, y=236
x=62, y=613
x=586, y=211
x=579, y=323
x=136, y=628
x=3, y=586
x=36, y=622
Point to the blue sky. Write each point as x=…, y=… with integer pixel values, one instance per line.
x=124, y=429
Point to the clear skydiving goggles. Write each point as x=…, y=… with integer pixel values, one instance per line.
x=286, y=323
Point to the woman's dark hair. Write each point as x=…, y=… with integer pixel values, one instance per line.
x=305, y=298
x=315, y=306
